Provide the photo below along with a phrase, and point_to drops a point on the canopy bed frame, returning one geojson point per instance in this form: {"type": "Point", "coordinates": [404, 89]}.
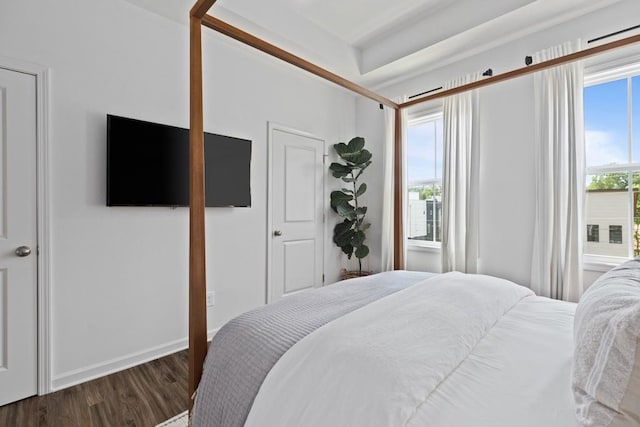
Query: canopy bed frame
{"type": "Point", "coordinates": [197, 259]}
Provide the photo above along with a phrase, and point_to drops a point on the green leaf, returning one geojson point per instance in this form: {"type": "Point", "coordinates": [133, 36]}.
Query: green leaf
{"type": "Point", "coordinates": [344, 238]}
{"type": "Point", "coordinates": [351, 158]}
{"type": "Point", "coordinates": [340, 148]}
{"type": "Point", "coordinates": [342, 241]}
{"type": "Point", "coordinates": [362, 158]}
{"type": "Point", "coordinates": [339, 198]}
{"type": "Point", "coordinates": [339, 195]}
{"type": "Point", "coordinates": [343, 202]}
{"type": "Point", "coordinates": [342, 227]}
{"type": "Point", "coordinates": [362, 251]}
{"type": "Point", "coordinates": [356, 144]}
{"type": "Point", "coordinates": [358, 239]}
{"type": "Point", "coordinates": [362, 210]}
{"type": "Point", "coordinates": [352, 153]}
{"type": "Point", "coordinates": [345, 210]}
{"type": "Point", "coordinates": [365, 226]}
{"type": "Point", "coordinates": [347, 249]}
{"type": "Point", "coordinates": [341, 205]}
{"type": "Point", "coordinates": [334, 166]}
{"type": "Point", "coordinates": [358, 159]}
{"type": "Point", "coordinates": [346, 190]}
{"type": "Point", "coordinates": [347, 179]}
{"type": "Point", "coordinates": [340, 170]}
{"type": "Point", "coordinates": [361, 189]}
{"type": "Point", "coordinates": [363, 166]}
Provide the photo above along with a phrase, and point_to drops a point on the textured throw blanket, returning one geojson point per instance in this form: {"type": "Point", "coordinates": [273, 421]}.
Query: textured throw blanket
{"type": "Point", "coordinates": [243, 352]}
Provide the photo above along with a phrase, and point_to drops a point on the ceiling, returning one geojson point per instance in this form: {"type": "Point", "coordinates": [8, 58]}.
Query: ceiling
{"type": "Point", "coordinates": [357, 22]}
{"type": "Point", "coordinates": [373, 42]}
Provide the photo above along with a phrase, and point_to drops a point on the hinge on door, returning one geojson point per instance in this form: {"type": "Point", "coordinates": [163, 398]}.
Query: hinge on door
{"type": "Point", "coordinates": [322, 277]}
{"type": "Point", "coordinates": [324, 159]}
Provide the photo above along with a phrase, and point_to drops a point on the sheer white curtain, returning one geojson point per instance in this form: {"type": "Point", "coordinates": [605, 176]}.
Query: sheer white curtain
{"type": "Point", "coordinates": [387, 196]}
{"type": "Point", "coordinates": [556, 269]}
{"type": "Point", "coordinates": [460, 179]}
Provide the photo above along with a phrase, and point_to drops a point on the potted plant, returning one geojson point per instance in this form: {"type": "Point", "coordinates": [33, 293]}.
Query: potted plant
{"type": "Point", "coordinates": [349, 234]}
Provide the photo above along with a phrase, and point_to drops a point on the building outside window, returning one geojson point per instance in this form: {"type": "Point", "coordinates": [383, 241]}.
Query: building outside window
{"type": "Point", "coordinates": [612, 150]}
{"type": "Point", "coordinates": [424, 180]}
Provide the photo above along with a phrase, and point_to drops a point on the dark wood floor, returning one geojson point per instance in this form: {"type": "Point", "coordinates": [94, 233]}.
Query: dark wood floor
{"type": "Point", "coordinates": [142, 396]}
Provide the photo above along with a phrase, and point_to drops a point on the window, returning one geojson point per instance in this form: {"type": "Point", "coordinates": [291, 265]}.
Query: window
{"type": "Point", "coordinates": [424, 180]}
{"type": "Point", "coordinates": [612, 150]}
{"type": "Point", "coordinates": [615, 234]}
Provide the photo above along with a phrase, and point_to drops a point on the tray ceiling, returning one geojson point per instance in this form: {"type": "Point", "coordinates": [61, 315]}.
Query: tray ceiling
{"type": "Point", "coordinates": [376, 41]}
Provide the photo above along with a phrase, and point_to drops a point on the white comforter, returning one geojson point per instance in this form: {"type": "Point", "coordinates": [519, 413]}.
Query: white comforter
{"type": "Point", "coordinates": [453, 350]}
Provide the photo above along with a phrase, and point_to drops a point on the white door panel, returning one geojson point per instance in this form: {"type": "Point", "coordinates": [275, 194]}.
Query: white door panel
{"type": "Point", "coordinates": [297, 208]}
{"type": "Point", "coordinates": [300, 190]}
{"type": "Point", "coordinates": [299, 265]}
{"type": "Point", "coordinates": [18, 274]}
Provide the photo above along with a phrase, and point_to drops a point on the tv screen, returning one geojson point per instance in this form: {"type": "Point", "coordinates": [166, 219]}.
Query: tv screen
{"type": "Point", "coordinates": [148, 165]}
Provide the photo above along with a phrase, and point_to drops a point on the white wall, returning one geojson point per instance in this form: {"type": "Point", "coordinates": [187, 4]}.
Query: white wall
{"type": "Point", "coordinates": [370, 125]}
{"type": "Point", "coordinates": [119, 275]}
{"type": "Point", "coordinates": [507, 125]}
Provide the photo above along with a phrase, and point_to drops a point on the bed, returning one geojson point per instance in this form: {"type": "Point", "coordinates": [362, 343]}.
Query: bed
{"type": "Point", "coordinates": [400, 348]}
{"type": "Point", "coordinates": [415, 349]}
{"type": "Point", "coordinates": [395, 349]}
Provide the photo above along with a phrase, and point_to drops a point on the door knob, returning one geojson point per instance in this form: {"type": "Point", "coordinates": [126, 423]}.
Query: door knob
{"type": "Point", "coordinates": [22, 251]}
{"type": "Point", "coordinates": [277, 233]}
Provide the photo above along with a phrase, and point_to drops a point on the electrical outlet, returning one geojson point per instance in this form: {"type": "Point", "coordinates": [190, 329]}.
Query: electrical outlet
{"type": "Point", "coordinates": [210, 298]}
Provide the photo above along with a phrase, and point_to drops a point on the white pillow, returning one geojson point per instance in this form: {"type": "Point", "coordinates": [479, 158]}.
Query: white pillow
{"type": "Point", "coordinates": [606, 371]}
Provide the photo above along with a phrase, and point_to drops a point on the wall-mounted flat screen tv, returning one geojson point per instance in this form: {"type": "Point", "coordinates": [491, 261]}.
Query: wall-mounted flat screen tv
{"type": "Point", "coordinates": [148, 165]}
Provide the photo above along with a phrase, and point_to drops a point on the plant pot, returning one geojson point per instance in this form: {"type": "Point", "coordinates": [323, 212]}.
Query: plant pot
{"type": "Point", "coordinates": [345, 274]}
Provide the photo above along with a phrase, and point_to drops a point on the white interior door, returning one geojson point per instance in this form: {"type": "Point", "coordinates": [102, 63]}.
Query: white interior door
{"type": "Point", "coordinates": [18, 246]}
{"type": "Point", "coordinates": [297, 211]}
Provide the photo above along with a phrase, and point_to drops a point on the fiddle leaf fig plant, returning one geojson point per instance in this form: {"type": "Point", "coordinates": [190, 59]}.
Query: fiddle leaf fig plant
{"type": "Point", "coordinates": [349, 234]}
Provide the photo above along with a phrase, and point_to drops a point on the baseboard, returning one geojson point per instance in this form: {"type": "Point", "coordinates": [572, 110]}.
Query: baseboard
{"type": "Point", "coordinates": [78, 376]}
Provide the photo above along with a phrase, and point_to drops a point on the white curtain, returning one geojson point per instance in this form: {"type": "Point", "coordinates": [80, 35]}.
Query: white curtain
{"type": "Point", "coordinates": [556, 269]}
{"type": "Point", "coordinates": [460, 179]}
{"type": "Point", "coordinates": [387, 197]}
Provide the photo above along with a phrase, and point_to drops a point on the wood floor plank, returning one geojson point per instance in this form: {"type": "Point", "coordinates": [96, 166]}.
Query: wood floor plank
{"type": "Point", "coordinates": [142, 396]}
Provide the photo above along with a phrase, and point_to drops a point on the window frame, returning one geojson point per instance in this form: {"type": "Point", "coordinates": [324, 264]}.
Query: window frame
{"type": "Point", "coordinates": [596, 228]}
{"type": "Point", "coordinates": [424, 115]}
{"type": "Point", "coordinates": [618, 229]}
{"type": "Point", "coordinates": [627, 68]}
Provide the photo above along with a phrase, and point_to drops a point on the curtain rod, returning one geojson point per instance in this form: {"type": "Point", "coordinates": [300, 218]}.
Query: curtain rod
{"type": "Point", "coordinates": [488, 73]}
{"type": "Point", "coordinates": [528, 60]}
{"type": "Point", "coordinates": [615, 33]}
{"type": "Point", "coordinates": [616, 44]}
{"type": "Point", "coordinates": [425, 92]}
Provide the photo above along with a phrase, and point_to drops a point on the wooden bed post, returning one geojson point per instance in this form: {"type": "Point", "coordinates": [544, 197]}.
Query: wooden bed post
{"type": "Point", "coordinates": [197, 259]}
{"type": "Point", "coordinates": [398, 195]}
